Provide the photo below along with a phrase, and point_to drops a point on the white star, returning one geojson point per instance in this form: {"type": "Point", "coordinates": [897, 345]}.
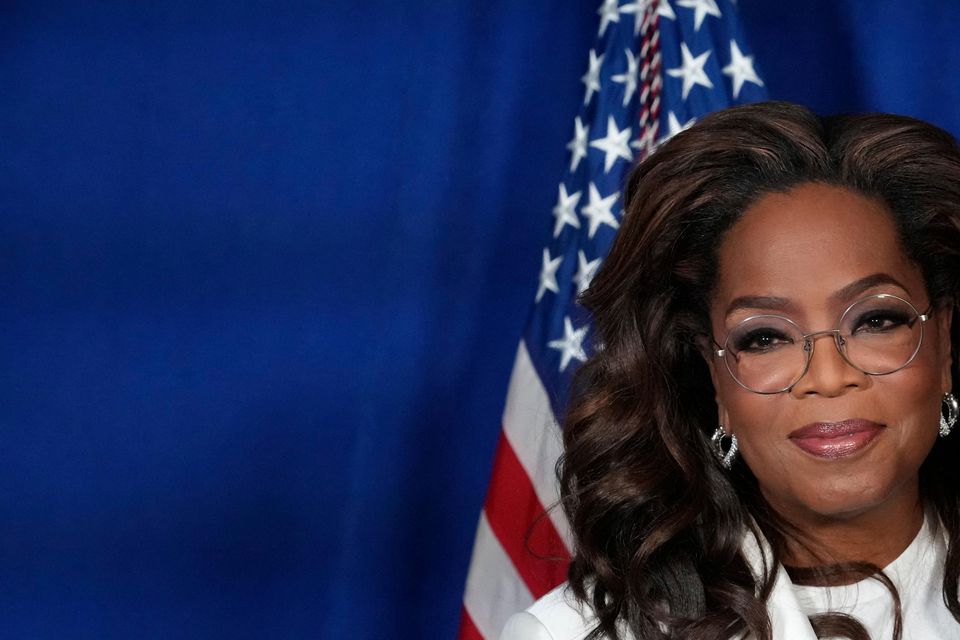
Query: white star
{"type": "Point", "coordinates": [691, 70]}
{"type": "Point", "coordinates": [592, 77]}
{"type": "Point", "coordinates": [647, 138]}
{"type": "Point", "coordinates": [701, 9]}
{"type": "Point", "coordinates": [571, 345]}
{"type": "Point", "coordinates": [565, 210]}
{"type": "Point", "coordinates": [674, 127]}
{"type": "Point", "coordinates": [666, 11]}
{"type": "Point", "coordinates": [585, 271]}
{"type": "Point", "coordinates": [598, 210]}
{"type": "Point", "coordinates": [578, 146]}
{"type": "Point", "coordinates": [548, 274]}
{"type": "Point", "coordinates": [629, 78]}
{"type": "Point", "coordinates": [615, 145]}
{"type": "Point", "coordinates": [637, 8]}
{"type": "Point", "coordinates": [608, 13]}
{"type": "Point", "coordinates": [740, 69]}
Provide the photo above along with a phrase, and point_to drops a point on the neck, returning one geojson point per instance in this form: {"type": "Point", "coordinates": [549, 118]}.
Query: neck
{"type": "Point", "coordinates": [877, 535]}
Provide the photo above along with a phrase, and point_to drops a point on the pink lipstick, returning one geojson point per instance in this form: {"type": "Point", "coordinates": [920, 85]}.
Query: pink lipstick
{"type": "Point", "coordinates": [834, 440]}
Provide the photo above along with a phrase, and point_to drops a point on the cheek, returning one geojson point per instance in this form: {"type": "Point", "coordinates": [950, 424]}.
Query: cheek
{"type": "Point", "coordinates": [910, 399]}
{"type": "Point", "coordinates": [760, 422]}
{"type": "Point", "coordinates": [744, 408]}
{"type": "Point", "coordinates": [915, 390]}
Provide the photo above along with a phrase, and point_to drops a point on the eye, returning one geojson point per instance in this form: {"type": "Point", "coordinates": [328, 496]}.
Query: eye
{"type": "Point", "coordinates": [881, 321]}
{"type": "Point", "coordinates": [760, 340]}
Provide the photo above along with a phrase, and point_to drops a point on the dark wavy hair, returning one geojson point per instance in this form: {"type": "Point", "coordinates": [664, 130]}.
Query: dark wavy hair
{"type": "Point", "coordinates": [657, 522]}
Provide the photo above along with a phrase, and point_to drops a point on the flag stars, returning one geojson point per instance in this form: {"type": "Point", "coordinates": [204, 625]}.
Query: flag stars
{"type": "Point", "coordinates": [701, 8]}
{"type": "Point", "coordinates": [647, 140]}
{"type": "Point", "coordinates": [578, 146]}
{"type": "Point", "coordinates": [629, 78]}
{"type": "Point", "coordinates": [548, 274]}
{"type": "Point", "coordinates": [608, 12]}
{"type": "Point", "coordinates": [565, 210]}
{"type": "Point", "coordinates": [571, 345]}
{"type": "Point", "coordinates": [636, 8]}
{"type": "Point", "coordinates": [691, 70]}
{"type": "Point", "coordinates": [674, 127]}
{"type": "Point", "coordinates": [591, 79]}
{"type": "Point", "coordinates": [598, 210]}
{"type": "Point", "coordinates": [585, 271]}
{"type": "Point", "coordinates": [615, 145]}
{"type": "Point", "coordinates": [664, 10]}
{"type": "Point", "coordinates": [740, 69]}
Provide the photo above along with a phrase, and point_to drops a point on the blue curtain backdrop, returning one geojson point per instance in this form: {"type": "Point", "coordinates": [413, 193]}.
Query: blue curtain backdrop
{"type": "Point", "coordinates": [263, 268]}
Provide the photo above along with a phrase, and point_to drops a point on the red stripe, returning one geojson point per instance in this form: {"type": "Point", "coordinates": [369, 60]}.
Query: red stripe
{"type": "Point", "coordinates": [520, 523]}
{"type": "Point", "coordinates": [468, 630]}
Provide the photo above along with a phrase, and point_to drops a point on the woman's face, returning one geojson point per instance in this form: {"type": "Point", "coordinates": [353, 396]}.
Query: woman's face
{"type": "Point", "coordinates": [840, 442]}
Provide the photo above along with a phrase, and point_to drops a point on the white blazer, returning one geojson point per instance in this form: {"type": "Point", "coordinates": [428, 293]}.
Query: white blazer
{"type": "Point", "coordinates": [559, 616]}
{"type": "Point", "coordinates": [918, 574]}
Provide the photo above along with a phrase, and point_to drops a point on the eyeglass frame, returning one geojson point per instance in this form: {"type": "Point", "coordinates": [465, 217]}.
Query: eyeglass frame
{"type": "Point", "coordinates": [809, 344]}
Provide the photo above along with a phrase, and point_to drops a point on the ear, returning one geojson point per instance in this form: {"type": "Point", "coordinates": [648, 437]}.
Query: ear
{"type": "Point", "coordinates": [945, 344]}
{"type": "Point", "coordinates": [717, 374]}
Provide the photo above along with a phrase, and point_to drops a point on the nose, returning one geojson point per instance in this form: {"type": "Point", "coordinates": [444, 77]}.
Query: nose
{"type": "Point", "coordinates": [828, 372]}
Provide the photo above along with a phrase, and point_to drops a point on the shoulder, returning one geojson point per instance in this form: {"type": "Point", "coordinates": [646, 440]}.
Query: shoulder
{"type": "Point", "coordinates": [556, 616]}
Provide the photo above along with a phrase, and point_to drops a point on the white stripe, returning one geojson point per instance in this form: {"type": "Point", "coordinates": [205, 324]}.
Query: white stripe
{"type": "Point", "coordinates": [494, 589]}
{"type": "Point", "coordinates": [532, 431]}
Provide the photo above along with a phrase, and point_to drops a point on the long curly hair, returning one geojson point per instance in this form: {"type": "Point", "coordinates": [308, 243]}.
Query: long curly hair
{"type": "Point", "coordinates": [657, 523]}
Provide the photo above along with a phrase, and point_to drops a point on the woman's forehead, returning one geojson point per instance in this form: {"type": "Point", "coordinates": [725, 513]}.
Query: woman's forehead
{"type": "Point", "coordinates": [809, 243]}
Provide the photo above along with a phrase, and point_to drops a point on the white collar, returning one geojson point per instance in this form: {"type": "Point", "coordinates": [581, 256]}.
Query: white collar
{"type": "Point", "coordinates": [787, 619]}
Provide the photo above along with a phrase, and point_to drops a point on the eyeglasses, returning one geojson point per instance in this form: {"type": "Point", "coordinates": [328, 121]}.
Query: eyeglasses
{"type": "Point", "coordinates": [877, 335]}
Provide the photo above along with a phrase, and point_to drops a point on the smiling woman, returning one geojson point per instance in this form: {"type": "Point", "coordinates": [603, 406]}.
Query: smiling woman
{"type": "Point", "coordinates": [762, 447]}
{"type": "Point", "coordinates": [836, 450]}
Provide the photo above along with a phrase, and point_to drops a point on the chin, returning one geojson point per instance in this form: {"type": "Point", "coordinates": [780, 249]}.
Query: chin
{"type": "Point", "coordinates": [848, 497]}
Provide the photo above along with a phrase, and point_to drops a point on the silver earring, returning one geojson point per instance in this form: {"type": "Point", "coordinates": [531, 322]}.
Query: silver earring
{"type": "Point", "coordinates": [727, 457]}
{"type": "Point", "coordinates": [953, 410]}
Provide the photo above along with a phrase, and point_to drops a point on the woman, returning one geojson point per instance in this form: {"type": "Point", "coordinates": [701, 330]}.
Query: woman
{"type": "Point", "coordinates": [761, 446]}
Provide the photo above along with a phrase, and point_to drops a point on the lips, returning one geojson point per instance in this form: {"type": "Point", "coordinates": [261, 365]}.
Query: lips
{"type": "Point", "coordinates": [832, 440]}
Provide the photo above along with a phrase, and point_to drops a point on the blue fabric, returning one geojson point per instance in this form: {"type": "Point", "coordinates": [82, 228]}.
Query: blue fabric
{"type": "Point", "coordinates": [263, 268]}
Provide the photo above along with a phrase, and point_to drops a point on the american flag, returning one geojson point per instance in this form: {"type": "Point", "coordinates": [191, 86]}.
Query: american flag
{"type": "Point", "coordinates": [656, 66]}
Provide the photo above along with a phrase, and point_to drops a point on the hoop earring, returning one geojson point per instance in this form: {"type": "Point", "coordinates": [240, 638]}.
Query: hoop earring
{"type": "Point", "coordinates": [953, 410]}
{"type": "Point", "coordinates": [727, 457]}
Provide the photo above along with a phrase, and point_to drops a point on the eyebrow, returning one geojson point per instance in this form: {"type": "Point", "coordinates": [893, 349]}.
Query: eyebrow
{"type": "Point", "coordinates": [777, 303]}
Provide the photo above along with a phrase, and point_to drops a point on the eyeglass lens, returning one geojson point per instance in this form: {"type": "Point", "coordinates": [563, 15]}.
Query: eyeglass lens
{"type": "Point", "coordinates": [877, 335]}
